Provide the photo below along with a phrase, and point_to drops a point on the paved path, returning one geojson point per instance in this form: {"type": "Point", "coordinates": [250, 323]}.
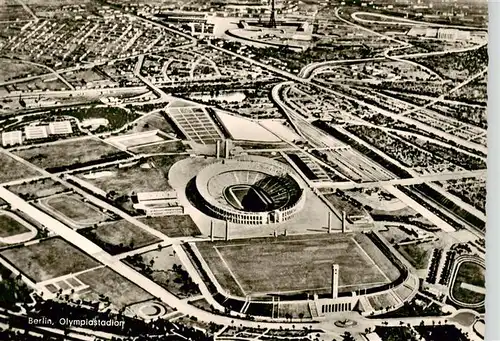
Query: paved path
{"type": "Point", "coordinates": [412, 181]}
{"type": "Point", "coordinates": [402, 21]}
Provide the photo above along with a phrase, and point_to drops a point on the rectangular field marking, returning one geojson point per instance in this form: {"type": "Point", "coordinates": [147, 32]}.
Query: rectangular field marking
{"type": "Point", "coordinates": [263, 198]}
{"type": "Point", "coordinates": [236, 199]}
{"type": "Point", "coordinates": [230, 271]}
{"type": "Point", "coordinates": [474, 288]}
{"type": "Point", "coordinates": [318, 288]}
{"type": "Point", "coordinates": [371, 260]}
{"type": "Point", "coordinates": [280, 242]}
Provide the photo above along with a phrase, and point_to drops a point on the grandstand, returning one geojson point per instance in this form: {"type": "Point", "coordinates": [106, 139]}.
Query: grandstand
{"type": "Point", "coordinates": [196, 124]}
{"type": "Point", "coordinates": [249, 190]}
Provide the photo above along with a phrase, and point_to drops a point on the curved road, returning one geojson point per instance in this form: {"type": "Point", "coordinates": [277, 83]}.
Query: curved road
{"type": "Point", "coordinates": [403, 21]}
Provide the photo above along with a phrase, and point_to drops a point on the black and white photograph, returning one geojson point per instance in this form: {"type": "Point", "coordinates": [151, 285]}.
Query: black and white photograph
{"type": "Point", "coordinates": [244, 170]}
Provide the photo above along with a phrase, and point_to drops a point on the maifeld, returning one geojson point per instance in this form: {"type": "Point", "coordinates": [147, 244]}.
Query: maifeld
{"type": "Point", "coordinates": [64, 321]}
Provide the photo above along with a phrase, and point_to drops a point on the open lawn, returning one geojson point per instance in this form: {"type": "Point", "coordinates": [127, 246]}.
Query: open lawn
{"type": "Point", "coordinates": [297, 264]}
{"type": "Point", "coordinates": [173, 225]}
{"type": "Point", "coordinates": [11, 169]}
{"type": "Point", "coordinates": [73, 153]}
{"type": "Point", "coordinates": [295, 310]}
{"type": "Point", "coordinates": [120, 291]}
{"type": "Point", "coordinates": [149, 176]}
{"type": "Point", "coordinates": [123, 181]}
{"type": "Point", "coordinates": [164, 147]}
{"type": "Point", "coordinates": [73, 208]}
{"type": "Point", "coordinates": [201, 304]}
{"type": "Point", "coordinates": [10, 226]}
{"type": "Point", "coordinates": [119, 236]}
{"type": "Point", "coordinates": [37, 189]}
{"type": "Point", "coordinates": [345, 205]}
{"type": "Point", "coordinates": [164, 268]}
{"type": "Point", "coordinates": [154, 121]}
{"type": "Point", "coordinates": [469, 275]}
{"type": "Point", "coordinates": [11, 69]}
{"type": "Point", "coordinates": [417, 254]}
{"type": "Point", "coordinates": [117, 117]}
{"type": "Point", "coordinates": [48, 259]}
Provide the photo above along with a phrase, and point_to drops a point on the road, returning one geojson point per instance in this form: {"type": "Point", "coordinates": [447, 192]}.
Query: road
{"type": "Point", "coordinates": [397, 117]}
{"type": "Point", "coordinates": [403, 21]}
{"type": "Point", "coordinates": [154, 289]}
{"type": "Point", "coordinates": [162, 96]}
{"type": "Point", "coordinates": [309, 70]}
{"type": "Point", "coordinates": [302, 126]}
{"type": "Point", "coordinates": [51, 70]}
{"type": "Point", "coordinates": [27, 9]}
{"type": "Point", "coordinates": [74, 93]}
{"type": "Point", "coordinates": [404, 182]}
{"type": "Point", "coordinates": [408, 120]}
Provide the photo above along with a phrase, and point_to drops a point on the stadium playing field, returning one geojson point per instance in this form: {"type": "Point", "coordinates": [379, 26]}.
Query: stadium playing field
{"type": "Point", "coordinates": [248, 198]}
{"type": "Point", "coordinates": [297, 264]}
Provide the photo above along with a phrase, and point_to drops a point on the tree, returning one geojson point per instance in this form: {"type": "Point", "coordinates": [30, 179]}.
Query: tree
{"type": "Point", "coordinates": [301, 316]}
{"type": "Point", "coordinates": [348, 337]}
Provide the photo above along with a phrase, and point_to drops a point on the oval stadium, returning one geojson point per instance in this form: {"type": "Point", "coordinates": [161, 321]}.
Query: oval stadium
{"type": "Point", "coordinates": [251, 190]}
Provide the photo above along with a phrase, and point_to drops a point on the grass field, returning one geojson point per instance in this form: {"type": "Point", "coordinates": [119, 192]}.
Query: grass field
{"type": "Point", "coordinates": [164, 147]}
{"type": "Point", "coordinates": [10, 69]}
{"type": "Point", "coordinates": [164, 268]}
{"type": "Point", "coordinates": [117, 117]}
{"type": "Point", "coordinates": [11, 169]}
{"type": "Point", "coordinates": [344, 205]}
{"type": "Point", "coordinates": [417, 254]}
{"type": "Point", "coordinates": [120, 291]}
{"type": "Point", "coordinates": [297, 264]}
{"type": "Point", "coordinates": [154, 121]}
{"type": "Point", "coordinates": [10, 226]}
{"type": "Point", "coordinates": [72, 207]}
{"type": "Point", "coordinates": [119, 236]}
{"type": "Point", "coordinates": [37, 189]}
{"type": "Point", "coordinates": [201, 304]}
{"type": "Point", "coordinates": [136, 179]}
{"type": "Point", "coordinates": [48, 259]}
{"type": "Point", "coordinates": [173, 225]}
{"type": "Point", "coordinates": [67, 153]}
{"type": "Point", "coordinates": [470, 273]}
{"type": "Point", "coordinates": [146, 177]}
{"type": "Point", "coordinates": [295, 310]}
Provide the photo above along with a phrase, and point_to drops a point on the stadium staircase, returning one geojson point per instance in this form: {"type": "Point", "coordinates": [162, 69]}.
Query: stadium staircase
{"type": "Point", "coordinates": [245, 306]}
{"type": "Point", "coordinates": [395, 296]}
{"type": "Point", "coordinates": [313, 309]}
{"type": "Point", "coordinates": [365, 306]}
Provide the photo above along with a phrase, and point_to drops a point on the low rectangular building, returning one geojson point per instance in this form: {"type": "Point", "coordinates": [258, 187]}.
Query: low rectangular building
{"type": "Point", "coordinates": [60, 128]}
{"type": "Point", "coordinates": [160, 195]}
{"type": "Point", "coordinates": [12, 138]}
{"type": "Point", "coordinates": [153, 209]}
{"type": "Point", "coordinates": [36, 132]}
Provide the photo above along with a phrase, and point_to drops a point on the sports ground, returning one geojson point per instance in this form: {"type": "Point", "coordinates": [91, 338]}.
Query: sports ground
{"type": "Point", "coordinates": [9, 226]}
{"type": "Point", "coordinates": [468, 286]}
{"type": "Point", "coordinates": [48, 259]}
{"type": "Point", "coordinates": [297, 264]}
